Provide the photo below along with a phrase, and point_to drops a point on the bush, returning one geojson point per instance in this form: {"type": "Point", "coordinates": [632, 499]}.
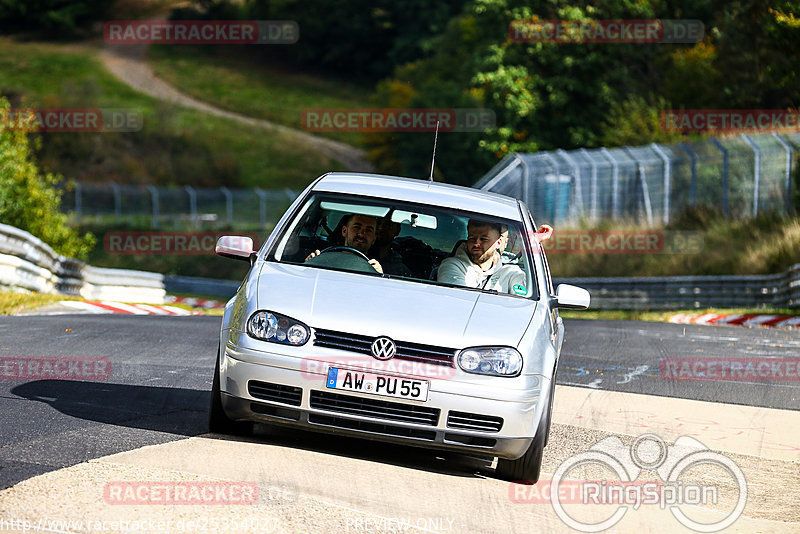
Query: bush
{"type": "Point", "coordinates": [29, 198]}
{"type": "Point", "coordinates": [52, 18]}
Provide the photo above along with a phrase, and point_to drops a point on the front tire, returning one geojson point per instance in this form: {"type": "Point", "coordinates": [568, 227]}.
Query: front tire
{"type": "Point", "coordinates": [218, 421]}
{"type": "Point", "coordinates": [526, 468]}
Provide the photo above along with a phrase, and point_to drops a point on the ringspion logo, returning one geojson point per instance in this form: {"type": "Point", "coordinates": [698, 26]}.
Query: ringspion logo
{"type": "Point", "coordinates": [678, 488]}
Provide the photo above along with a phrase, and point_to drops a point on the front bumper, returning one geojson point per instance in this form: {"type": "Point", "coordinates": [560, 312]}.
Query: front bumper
{"type": "Point", "coordinates": [296, 395]}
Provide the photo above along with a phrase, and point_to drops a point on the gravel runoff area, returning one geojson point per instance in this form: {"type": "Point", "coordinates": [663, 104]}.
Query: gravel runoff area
{"type": "Point", "coordinates": [81, 493]}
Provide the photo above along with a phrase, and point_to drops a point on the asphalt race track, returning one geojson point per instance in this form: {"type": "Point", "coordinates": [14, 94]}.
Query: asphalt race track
{"type": "Point", "coordinates": [151, 411]}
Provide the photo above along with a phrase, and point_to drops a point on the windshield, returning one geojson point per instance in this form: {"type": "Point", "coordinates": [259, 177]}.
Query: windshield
{"type": "Point", "coordinates": [419, 243]}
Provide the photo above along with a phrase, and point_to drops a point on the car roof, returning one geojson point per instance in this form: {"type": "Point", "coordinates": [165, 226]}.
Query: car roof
{"type": "Point", "coordinates": [420, 191]}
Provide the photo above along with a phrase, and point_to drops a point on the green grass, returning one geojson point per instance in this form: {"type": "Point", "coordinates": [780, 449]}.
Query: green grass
{"type": "Point", "coordinates": [231, 78]}
{"type": "Point", "coordinates": [175, 146]}
{"type": "Point", "coordinates": [12, 302]}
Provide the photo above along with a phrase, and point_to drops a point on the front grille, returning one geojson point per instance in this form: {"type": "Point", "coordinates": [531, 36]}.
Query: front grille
{"type": "Point", "coordinates": [394, 411]}
{"type": "Point", "coordinates": [474, 421]}
{"type": "Point", "coordinates": [275, 392]}
{"type": "Point", "coordinates": [416, 352]}
{"type": "Point", "coordinates": [367, 426]}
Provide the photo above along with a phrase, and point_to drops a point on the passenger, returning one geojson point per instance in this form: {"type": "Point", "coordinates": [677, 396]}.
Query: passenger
{"type": "Point", "coordinates": [358, 233]}
{"type": "Point", "coordinates": [479, 262]}
{"type": "Point", "coordinates": [382, 250]}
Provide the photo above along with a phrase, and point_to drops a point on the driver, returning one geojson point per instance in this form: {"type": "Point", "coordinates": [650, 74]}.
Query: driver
{"type": "Point", "coordinates": [358, 233]}
{"type": "Point", "coordinates": [480, 262]}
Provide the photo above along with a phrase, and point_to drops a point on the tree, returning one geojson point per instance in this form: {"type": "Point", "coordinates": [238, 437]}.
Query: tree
{"type": "Point", "coordinates": [29, 198]}
{"type": "Point", "coordinates": [53, 18]}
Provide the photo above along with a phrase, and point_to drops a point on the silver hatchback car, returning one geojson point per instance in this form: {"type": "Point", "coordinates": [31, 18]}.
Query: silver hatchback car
{"type": "Point", "coordinates": [401, 310]}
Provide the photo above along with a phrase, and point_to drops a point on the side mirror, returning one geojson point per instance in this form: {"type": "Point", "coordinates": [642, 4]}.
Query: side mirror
{"type": "Point", "coordinates": [236, 246]}
{"type": "Point", "coordinates": [571, 297]}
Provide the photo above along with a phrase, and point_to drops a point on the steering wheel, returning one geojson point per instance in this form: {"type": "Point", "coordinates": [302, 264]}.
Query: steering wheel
{"type": "Point", "coordinates": [346, 249]}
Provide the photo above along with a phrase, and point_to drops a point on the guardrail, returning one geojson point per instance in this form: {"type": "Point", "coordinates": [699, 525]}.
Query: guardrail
{"type": "Point", "coordinates": [693, 292]}
{"type": "Point", "coordinates": [26, 262]}
{"type": "Point", "coordinates": [201, 286]}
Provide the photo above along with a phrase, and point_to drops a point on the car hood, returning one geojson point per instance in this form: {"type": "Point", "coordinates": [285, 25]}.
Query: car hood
{"type": "Point", "coordinates": [402, 310]}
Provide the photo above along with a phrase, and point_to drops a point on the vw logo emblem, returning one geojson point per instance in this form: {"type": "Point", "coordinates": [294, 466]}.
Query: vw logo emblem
{"type": "Point", "coordinates": [383, 348]}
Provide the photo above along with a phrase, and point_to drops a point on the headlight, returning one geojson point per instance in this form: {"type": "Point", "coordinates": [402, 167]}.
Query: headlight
{"type": "Point", "coordinates": [269, 326]}
{"type": "Point", "coordinates": [498, 361]}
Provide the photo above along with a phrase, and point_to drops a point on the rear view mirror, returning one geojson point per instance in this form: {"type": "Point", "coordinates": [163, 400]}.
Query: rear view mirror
{"type": "Point", "coordinates": [235, 246]}
{"type": "Point", "coordinates": [571, 297]}
{"type": "Point", "coordinates": [414, 219]}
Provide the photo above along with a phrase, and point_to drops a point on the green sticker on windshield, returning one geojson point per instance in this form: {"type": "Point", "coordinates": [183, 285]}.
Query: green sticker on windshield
{"type": "Point", "coordinates": [519, 289]}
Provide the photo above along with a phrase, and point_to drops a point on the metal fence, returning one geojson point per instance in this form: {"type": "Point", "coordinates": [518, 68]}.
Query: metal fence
{"type": "Point", "coordinates": [176, 206]}
{"type": "Point", "coordinates": [742, 175]}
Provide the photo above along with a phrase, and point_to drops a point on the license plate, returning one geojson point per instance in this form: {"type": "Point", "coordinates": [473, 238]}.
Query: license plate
{"type": "Point", "coordinates": [387, 386]}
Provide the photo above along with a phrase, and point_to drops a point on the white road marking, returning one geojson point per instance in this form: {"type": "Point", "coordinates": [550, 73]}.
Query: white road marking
{"type": "Point", "coordinates": [633, 374]}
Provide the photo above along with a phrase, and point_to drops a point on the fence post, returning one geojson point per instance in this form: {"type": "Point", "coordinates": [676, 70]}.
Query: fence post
{"type": "Point", "coordinates": [526, 177]}
{"type": "Point", "coordinates": [558, 186]}
{"type": "Point", "coordinates": [788, 186]}
{"type": "Point", "coordinates": [667, 178]}
{"type": "Point", "coordinates": [614, 182]}
{"type": "Point", "coordinates": [192, 204]}
{"type": "Point", "coordinates": [228, 204]}
{"type": "Point", "coordinates": [756, 171]}
{"type": "Point", "coordinates": [117, 200]}
{"type": "Point", "coordinates": [593, 164]}
{"type": "Point", "coordinates": [262, 205]}
{"type": "Point", "coordinates": [724, 174]}
{"type": "Point", "coordinates": [693, 158]}
{"type": "Point", "coordinates": [154, 196]}
{"type": "Point", "coordinates": [577, 192]}
{"type": "Point", "coordinates": [648, 208]}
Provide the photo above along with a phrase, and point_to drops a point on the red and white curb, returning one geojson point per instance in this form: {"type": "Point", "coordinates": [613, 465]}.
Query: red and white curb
{"type": "Point", "coordinates": [195, 303]}
{"type": "Point", "coordinates": [120, 307]}
{"type": "Point", "coordinates": [775, 321]}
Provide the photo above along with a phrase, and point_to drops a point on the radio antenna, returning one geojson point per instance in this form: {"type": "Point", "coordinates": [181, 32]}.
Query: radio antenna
{"type": "Point", "coordinates": [433, 159]}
